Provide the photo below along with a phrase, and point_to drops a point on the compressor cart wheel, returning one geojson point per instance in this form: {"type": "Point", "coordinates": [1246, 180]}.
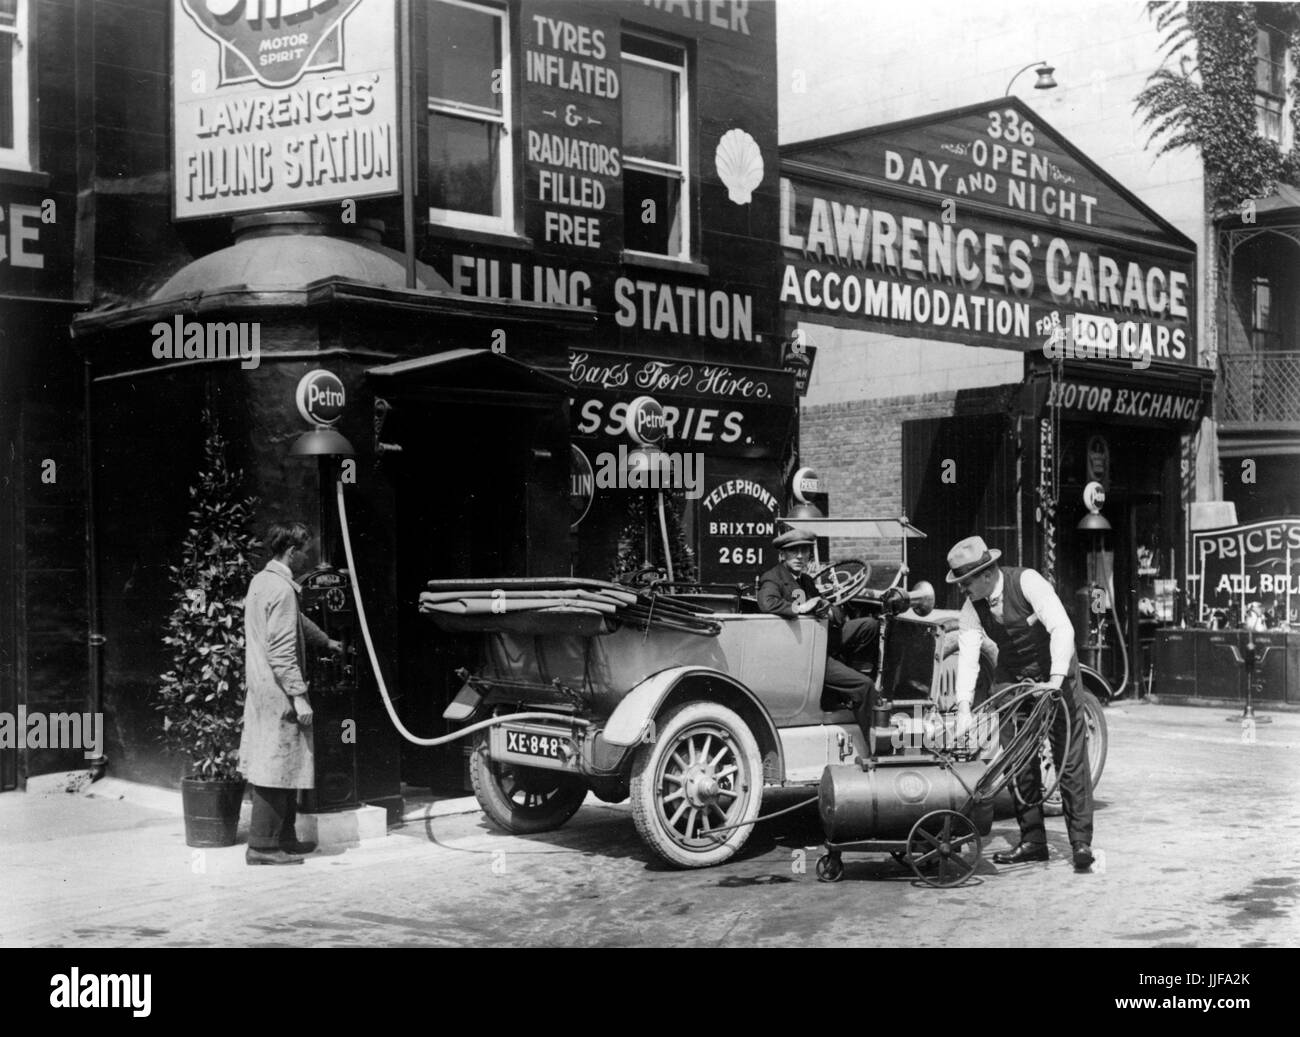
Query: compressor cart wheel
{"type": "Point", "coordinates": [944, 848]}
{"type": "Point", "coordinates": [830, 867]}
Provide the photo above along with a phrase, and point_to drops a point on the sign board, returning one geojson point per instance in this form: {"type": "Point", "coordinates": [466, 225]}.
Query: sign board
{"type": "Point", "coordinates": [279, 104]}
{"type": "Point", "coordinates": [715, 408]}
{"type": "Point", "coordinates": [978, 226]}
{"type": "Point", "coordinates": [36, 242]}
{"type": "Point", "coordinates": [737, 521]}
{"type": "Point", "coordinates": [320, 397]}
{"type": "Point", "coordinates": [582, 490]}
{"type": "Point", "coordinates": [1258, 561]}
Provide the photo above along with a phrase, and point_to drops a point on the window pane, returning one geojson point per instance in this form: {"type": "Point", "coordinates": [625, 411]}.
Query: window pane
{"type": "Point", "coordinates": [8, 12]}
{"type": "Point", "coordinates": [649, 113]}
{"type": "Point", "coordinates": [654, 227]}
{"type": "Point", "coordinates": [1268, 118]}
{"type": "Point", "coordinates": [464, 53]}
{"type": "Point", "coordinates": [464, 171]}
{"type": "Point", "coordinates": [1262, 304]}
{"type": "Point", "coordinates": [6, 90]}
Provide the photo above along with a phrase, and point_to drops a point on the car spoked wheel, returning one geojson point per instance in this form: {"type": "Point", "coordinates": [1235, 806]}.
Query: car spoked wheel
{"type": "Point", "coordinates": [703, 772]}
{"type": "Point", "coordinates": [523, 800]}
{"type": "Point", "coordinates": [1094, 720]}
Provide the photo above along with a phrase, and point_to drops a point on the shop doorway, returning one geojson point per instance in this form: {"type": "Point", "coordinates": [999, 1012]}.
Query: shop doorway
{"type": "Point", "coordinates": [478, 479]}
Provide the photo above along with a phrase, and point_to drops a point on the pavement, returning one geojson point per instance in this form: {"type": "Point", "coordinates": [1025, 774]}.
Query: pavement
{"type": "Point", "coordinates": [1197, 832]}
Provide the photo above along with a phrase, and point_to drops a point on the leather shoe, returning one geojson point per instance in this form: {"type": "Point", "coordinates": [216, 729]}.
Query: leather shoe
{"type": "Point", "coordinates": [270, 857]}
{"type": "Point", "coordinates": [1082, 857]}
{"type": "Point", "coordinates": [1022, 853]}
{"type": "Point", "coordinates": [293, 846]}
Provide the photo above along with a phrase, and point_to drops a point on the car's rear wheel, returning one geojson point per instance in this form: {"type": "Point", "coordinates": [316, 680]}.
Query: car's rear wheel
{"type": "Point", "coordinates": [523, 800]}
{"type": "Point", "coordinates": [702, 772]}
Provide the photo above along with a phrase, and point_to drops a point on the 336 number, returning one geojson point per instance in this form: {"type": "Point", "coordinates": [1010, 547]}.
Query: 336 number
{"type": "Point", "coordinates": [1014, 131]}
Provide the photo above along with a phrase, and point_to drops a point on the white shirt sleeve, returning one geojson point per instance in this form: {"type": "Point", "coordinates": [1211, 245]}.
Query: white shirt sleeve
{"type": "Point", "coordinates": [970, 634]}
{"type": "Point", "coordinates": [1056, 621]}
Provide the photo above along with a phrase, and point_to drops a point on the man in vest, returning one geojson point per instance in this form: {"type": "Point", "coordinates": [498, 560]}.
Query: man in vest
{"type": "Point", "coordinates": [787, 590]}
{"type": "Point", "coordinates": [1020, 611]}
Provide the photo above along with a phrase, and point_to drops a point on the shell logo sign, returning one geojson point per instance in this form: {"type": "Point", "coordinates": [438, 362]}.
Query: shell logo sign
{"type": "Point", "coordinates": [739, 164]}
{"type": "Point", "coordinates": [273, 41]}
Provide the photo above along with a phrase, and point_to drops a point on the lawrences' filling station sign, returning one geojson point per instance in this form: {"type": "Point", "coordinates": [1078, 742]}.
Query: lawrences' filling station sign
{"type": "Point", "coordinates": [279, 103]}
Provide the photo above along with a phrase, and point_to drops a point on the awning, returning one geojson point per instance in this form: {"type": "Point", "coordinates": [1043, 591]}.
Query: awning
{"type": "Point", "coordinates": [461, 369]}
{"type": "Point", "coordinates": [864, 528]}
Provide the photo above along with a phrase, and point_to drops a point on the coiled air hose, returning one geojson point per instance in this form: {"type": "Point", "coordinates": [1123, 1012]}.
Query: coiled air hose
{"type": "Point", "coordinates": [379, 674]}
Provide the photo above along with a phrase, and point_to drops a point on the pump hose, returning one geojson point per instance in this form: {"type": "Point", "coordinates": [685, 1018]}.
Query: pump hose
{"type": "Point", "coordinates": [1027, 741]}
{"type": "Point", "coordinates": [379, 675]}
{"type": "Point", "coordinates": [1123, 647]}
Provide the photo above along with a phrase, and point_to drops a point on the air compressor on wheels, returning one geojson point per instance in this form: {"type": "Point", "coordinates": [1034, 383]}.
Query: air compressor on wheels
{"type": "Point", "coordinates": [930, 809]}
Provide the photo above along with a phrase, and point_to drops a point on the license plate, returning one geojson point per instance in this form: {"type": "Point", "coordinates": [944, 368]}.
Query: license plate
{"type": "Point", "coordinates": [531, 743]}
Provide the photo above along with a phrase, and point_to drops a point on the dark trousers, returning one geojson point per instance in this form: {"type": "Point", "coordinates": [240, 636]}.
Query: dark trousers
{"type": "Point", "coordinates": [856, 643]}
{"type": "Point", "coordinates": [274, 813]}
{"type": "Point", "coordinates": [1076, 780]}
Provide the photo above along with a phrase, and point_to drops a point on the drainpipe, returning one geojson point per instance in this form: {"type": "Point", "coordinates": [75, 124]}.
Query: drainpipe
{"type": "Point", "coordinates": [406, 112]}
{"type": "Point", "coordinates": [95, 640]}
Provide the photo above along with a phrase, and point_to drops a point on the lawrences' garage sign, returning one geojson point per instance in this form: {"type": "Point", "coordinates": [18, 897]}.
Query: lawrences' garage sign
{"type": "Point", "coordinates": [980, 226]}
{"type": "Point", "coordinates": [279, 103]}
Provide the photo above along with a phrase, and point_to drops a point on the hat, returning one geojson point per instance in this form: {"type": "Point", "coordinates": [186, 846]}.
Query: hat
{"type": "Point", "coordinates": [970, 556]}
{"type": "Point", "coordinates": [792, 538]}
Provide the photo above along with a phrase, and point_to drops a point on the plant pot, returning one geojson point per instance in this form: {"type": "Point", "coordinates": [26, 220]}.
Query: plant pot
{"type": "Point", "coordinates": [211, 811]}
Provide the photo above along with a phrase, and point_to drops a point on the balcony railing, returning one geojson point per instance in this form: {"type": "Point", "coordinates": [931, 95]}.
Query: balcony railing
{"type": "Point", "coordinates": [1259, 387]}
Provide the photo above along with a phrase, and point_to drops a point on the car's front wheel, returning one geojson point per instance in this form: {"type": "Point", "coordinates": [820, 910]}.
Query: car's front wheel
{"type": "Point", "coordinates": [523, 800]}
{"type": "Point", "coordinates": [702, 772]}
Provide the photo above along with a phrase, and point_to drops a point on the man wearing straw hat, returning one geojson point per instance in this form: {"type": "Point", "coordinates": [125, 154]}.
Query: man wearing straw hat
{"type": "Point", "coordinates": [787, 590]}
{"type": "Point", "coordinates": [1021, 612]}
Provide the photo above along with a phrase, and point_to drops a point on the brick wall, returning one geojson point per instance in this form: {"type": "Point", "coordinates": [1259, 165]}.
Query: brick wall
{"type": "Point", "coordinates": [857, 447]}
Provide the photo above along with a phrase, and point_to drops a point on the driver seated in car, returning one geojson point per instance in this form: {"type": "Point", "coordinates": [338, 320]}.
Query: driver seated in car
{"type": "Point", "coordinates": [787, 590]}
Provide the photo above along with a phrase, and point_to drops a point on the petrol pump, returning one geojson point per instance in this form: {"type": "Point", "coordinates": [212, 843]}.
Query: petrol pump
{"type": "Point", "coordinates": [1095, 602]}
{"type": "Point", "coordinates": [355, 751]}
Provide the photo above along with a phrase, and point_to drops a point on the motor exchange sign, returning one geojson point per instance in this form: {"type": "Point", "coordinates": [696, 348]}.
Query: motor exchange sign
{"type": "Point", "coordinates": [977, 226]}
{"type": "Point", "coordinates": [281, 103]}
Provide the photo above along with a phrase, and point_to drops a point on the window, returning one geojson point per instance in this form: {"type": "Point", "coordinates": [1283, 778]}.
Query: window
{"type": "Point", "coordinates": [1270, 81]}
{"type": "Point", "coordinates": [471, 168]}
{"type": "Point", "coordinates": [656, 185]}
{"type": "Point", "coordinates": [15, 102]}
{"type": "Point", "coordinates": [1265, 328]}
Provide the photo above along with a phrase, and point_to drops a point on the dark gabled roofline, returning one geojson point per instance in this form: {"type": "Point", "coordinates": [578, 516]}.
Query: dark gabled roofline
{"type": "Point", "coordinates": [793, 150]}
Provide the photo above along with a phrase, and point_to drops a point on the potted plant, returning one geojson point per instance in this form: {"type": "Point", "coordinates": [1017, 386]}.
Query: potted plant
{"type": "Point", "coordinates": [201, 698]}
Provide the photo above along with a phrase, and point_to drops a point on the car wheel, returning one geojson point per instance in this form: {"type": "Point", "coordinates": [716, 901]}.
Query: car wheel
{"type": "Point", "coordinates": [1094, 719]}
{"type": "Point", "coordinates": [523, 800]}
{"type": "Point", "coordinates": [702, 772]}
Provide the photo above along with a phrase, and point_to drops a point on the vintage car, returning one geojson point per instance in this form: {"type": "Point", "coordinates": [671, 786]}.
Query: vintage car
{"type": "Point", "coordinates": [685, 699]}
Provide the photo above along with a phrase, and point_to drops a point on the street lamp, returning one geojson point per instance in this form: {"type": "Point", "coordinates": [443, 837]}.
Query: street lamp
{"type": "Point", "coordinates": [1044, 71]}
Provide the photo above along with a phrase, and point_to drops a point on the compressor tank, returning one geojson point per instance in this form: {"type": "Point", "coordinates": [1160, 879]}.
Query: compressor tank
{"type": "Point", "coordinates": [884, 798]}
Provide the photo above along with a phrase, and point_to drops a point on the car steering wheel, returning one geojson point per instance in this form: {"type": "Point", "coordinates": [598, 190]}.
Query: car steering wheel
{"type": "Point", "coordinates": [840, 581]}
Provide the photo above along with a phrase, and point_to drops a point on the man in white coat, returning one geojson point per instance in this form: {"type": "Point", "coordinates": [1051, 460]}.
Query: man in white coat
{"type": "Point", "coordinates": [275, 749]}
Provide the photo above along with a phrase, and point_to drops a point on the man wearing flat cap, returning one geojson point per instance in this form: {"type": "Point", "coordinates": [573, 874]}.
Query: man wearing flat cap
{"type": "Point", "coordinates": [787, 590]}
{"type": "Point", "coordinates": [1021, 612]}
